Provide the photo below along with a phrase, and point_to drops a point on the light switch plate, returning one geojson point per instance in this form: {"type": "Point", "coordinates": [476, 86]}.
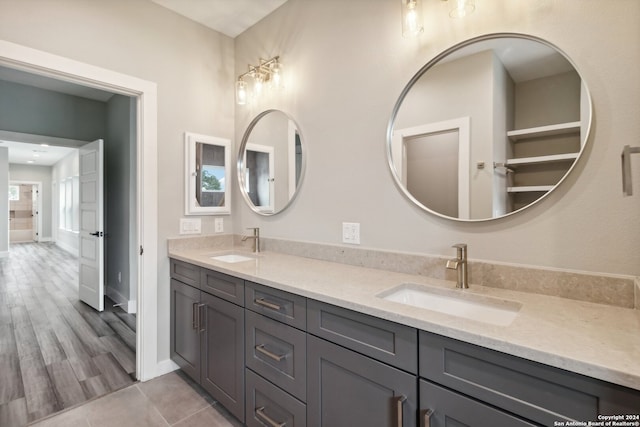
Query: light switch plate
{"type": "Point", "coordinates": [351, 233]}
{"type": "Point", "coordinates": [190, 226]}
{"type": "Point", "coordinates": [218, 224]}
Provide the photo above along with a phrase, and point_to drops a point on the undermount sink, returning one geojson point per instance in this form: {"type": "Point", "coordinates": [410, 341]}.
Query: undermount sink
{"type": "Point", "coordinates": [233, 257]}
{"type": "Point", "coordinates": [455, 302]}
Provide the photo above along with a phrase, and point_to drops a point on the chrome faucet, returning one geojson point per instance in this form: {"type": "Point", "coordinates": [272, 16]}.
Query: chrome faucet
{"type": "Point", "coordinates": [460, 265]}
{"type": "Point", "coordinates": [255, 237]}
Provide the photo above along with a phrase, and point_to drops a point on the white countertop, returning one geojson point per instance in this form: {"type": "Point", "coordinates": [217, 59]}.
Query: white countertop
{"type": "Point", "coordinates": [595, 340]}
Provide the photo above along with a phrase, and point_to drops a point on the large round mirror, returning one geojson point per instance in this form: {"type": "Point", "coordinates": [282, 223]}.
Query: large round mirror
{"type": "Point", "coordinates": [488, 127]}
{"type": "Point", "coordinates": [271, 162]}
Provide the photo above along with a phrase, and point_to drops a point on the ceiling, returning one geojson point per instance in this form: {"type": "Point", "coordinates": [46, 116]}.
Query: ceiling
{"type": "Point", "coordinates": [34, 154]}
{"type": "Point", "coordinates": [229, 17]}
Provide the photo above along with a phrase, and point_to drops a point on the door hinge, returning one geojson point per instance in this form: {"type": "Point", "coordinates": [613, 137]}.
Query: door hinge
{"type": "Point", "coordinates": [141, 250]}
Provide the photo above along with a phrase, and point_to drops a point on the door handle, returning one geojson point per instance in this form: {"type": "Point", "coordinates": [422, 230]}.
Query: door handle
{"type": "Point", "coordinates": [97, 234]}
{"type": "Point", "coordinates": [194, 316]}
{"type": "Point", "coordinates": [399, 408]}
{"type": "Point", "coordinates": [427, 417]}
{"type": "Point", "coordinates": [201, 314]}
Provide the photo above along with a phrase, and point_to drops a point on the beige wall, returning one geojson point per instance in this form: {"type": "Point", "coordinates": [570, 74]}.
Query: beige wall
{"type": "Point", "coordinates": [349, 63]}
{"type": "Point", "coordinates": [192, 65]}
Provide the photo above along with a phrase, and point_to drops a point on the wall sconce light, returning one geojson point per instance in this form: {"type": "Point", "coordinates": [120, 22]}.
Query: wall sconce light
{"type": "Point", "coordinates": [268, 72]}
{"type": "Point", "coordinates": [461, 8]}
{"type": "Point", "coordinates": [412, 22]}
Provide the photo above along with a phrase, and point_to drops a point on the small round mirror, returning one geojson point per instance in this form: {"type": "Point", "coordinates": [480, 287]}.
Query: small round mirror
{"type": "Point", "coordinates": [488, 127]}
{"type": "Point", "coordinates": [271, 162]}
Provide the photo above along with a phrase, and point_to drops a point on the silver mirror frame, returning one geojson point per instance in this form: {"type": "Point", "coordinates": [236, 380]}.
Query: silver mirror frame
{"type": "Point", "coordinates": [240, 163]}
{"type": "Point", "coordinates": [433, 62]}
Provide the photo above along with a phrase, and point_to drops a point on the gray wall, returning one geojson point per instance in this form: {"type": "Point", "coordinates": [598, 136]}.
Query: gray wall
{"type": "Point", "coordinates": [346, 71]}
{"type": "Point", "coordinates": [38, 174]}
{"type": "Point", "coordinates": [4, 201]}
{"type": "Point", "coordinates": [42, 112]}
{"type": "Point", "coordinates": [119, 183]}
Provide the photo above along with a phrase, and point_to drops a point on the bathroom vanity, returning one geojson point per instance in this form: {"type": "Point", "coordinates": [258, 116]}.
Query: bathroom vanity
{"type": "Point", "coordinates": [283, 340]}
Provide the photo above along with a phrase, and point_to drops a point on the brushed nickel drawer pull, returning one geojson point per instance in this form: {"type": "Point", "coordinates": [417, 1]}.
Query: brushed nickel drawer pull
{"type": "Point", "coordinates": [201, 314]}
{"type": "Point", "coordinates": [194, 316]}
{"type": "Point", "coordinates": [260, 348]}
{"type": "Point", "coordinates": [273, 423]}
{"type": "Point", "coordinates": [427, 417]}
{"type": "Point", "coordinates": [399, 406]}
{"type": "Point", "coordinates": [262, 302]}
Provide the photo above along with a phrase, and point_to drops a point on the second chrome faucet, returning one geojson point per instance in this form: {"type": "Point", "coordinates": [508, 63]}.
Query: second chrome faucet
{"type": "Point", "coordinates": [460, 265]}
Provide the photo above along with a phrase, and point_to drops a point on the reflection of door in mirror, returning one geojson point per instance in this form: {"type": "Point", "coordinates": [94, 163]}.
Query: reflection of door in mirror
{"type": "Point", "coordinates": [432, 161]}
{"type": "Point", "coordinates": [210, 177]}
{"type": "Point", "coordinates": [259, 164]}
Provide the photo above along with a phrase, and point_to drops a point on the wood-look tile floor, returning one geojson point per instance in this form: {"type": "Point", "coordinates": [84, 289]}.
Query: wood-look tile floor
{"type": "Point", "coordinates": [55, 351]}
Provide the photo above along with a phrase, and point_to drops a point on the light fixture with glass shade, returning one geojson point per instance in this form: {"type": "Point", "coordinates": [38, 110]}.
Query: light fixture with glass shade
{"type": "Point", "coordinates": [412, 23]}
{"type": "Point", "coordinates": [461, 8]}
{"type": "Point", "coordinates": [268, 73]}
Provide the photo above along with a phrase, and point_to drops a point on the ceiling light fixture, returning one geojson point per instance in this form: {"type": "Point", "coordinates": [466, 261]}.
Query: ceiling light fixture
{"type": "Point", "coordinates": [411, 18]}
{"type": "Point", "coordinates": [268, 72]}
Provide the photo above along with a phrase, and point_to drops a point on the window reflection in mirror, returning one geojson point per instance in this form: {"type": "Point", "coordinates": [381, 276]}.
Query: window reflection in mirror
{"type": "Point", "coordinates": [271, 162]}
{"type": "Point", "coordinates": [207, 171]}
{"type": "Point", "coordinates": [528, 114]}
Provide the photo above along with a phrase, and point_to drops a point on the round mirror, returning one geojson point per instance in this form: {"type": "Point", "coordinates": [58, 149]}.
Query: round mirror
{"type": "Point", "coordinates": [271, 162]}
{"type": "Point", "coordinates": [488, 127]}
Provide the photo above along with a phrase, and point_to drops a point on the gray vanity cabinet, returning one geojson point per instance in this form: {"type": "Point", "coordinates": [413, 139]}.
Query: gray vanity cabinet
{"type": "Point", "coordinates": [222, 353]}
{"type": "Point", "coordinates": [530, 390]}
{"type": "Point", "coordinates": [185, 334]}
{"type": "Point", "coordinates": [347, 389]}
{"type": "Point", "coordinates": [207, 332]}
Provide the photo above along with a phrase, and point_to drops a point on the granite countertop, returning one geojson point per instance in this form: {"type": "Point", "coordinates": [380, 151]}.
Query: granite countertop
{"type": "Point", "coordinates": [595, 340]}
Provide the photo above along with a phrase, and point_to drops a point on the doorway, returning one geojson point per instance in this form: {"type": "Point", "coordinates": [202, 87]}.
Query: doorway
{"type": "Point", "coordinates": [24, 209]}
{"type": "Point", "coordinates": [145, 205]}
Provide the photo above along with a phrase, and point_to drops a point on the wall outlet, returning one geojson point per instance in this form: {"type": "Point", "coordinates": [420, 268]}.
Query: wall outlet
{"type": "Point", "coordinates": [218, 224]}
{"type": "Point", "coordinates": [119, 276]}
{"type": "Point", "coordinates": [190, 226]}
{"type": "Point", "coordinates": [351, 233]}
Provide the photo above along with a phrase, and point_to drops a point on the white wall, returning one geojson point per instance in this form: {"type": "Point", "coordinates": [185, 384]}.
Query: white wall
{"type": "Point", "coordinates": [4, 201]}
{"type": "Point", "coordinates": [38, 174]}
{"type": "Point", "coordinates": [192, 65]}
{"type": "Point", "coordinates": [68, 167]}
{"type": "Point", "coordinates": [349, 63]}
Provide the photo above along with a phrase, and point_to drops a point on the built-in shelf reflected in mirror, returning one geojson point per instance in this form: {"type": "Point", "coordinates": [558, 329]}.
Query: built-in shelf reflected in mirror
{"type": "Point", "coordinates": [488, 127]}
{"type": "Point", "coordinates": [271, 162]}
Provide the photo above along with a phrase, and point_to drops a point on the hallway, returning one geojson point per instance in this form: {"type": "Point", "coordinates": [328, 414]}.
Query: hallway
{"type": "Point", "coordinates": [55, 351]}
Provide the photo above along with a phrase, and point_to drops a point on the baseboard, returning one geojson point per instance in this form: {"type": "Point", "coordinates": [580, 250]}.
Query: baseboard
{"type": "Point", "coordinates": [164, 367]}
{"type": "Point", "coordinates": [128, 305]}
{"type": "Point", "coordinates": [45, 239]}
{"type": "Point", "coordinates": [73, 251]}
{"type": "Point", "coordinates": [4, 254]}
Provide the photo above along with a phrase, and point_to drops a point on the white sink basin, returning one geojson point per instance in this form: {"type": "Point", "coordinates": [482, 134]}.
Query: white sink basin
{"type": "Point", "coordinates": [455, 302]}
{"type": "Point", "coordinates": [233, 258]}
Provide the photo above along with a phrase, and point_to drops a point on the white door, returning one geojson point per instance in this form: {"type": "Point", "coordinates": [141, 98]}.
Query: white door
{"type": "Point", "coordinates": [91, 268]}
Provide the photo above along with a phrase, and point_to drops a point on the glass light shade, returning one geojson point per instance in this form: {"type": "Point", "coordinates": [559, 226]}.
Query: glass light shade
{"type": "Point", "coordinates": [241, 92]}
{"type": "Point", "coordinates": [412, 22]}
{"type": "Point", "coordinates": [258, 81]}
{"type": "Point", "coordinates": [276, 76]}
{"type": "Point", "coordinates": [461, 8]}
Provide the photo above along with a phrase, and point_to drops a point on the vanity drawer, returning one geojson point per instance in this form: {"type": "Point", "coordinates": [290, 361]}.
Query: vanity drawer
{"type": "Point", "coordinates": [222, 285]}
{"type": "Point", "coordinates": [267, 405]}
{"type": "Point", "coordinates": [528, 389]}
{"type": "Point", "coordinates": [380, 339]}
{"type": "Point", "coordinates": [451, 408]}
{"type": "Point", "coordinates": [185, 272]}
{"type": "Point", "coordinates": [279, 305]}
{"type": "Point", "coordinates": [277, 352]}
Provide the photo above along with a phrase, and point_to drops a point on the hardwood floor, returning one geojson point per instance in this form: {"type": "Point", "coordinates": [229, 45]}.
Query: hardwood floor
{"type": "Point", "coordinates": [55, 351]}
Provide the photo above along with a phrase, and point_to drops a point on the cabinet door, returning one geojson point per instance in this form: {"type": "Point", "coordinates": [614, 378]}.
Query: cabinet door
{"type": "Point", "coordinates": [185, 339]}
{"type": "Point", "coordinates": [222, 353]}
{"type": "Point", "coordinates": [440, 407]}
{"type": "Point", "coordinates": [348, 389]}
